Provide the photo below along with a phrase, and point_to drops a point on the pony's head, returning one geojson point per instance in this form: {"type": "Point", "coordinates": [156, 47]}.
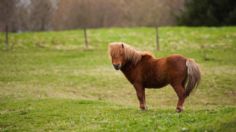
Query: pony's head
{"type": "Point", "coordinates": [120, 53]}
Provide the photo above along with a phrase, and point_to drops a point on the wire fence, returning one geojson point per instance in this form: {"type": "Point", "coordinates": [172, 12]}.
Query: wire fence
{"type": "Point", "coordinates": [81, 38]}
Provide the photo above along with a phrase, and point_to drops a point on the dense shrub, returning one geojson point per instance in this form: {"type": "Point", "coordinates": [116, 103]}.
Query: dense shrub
{"type": "Point", "coordinates": [208, 13]}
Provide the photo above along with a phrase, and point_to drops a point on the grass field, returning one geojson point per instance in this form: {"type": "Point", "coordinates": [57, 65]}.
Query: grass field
{"type": "Point", "coordinates": [50, 82]}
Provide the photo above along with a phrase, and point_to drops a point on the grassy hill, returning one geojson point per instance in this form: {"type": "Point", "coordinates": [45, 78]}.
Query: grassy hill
{"type": "Point", "coordinates": [50, 82]}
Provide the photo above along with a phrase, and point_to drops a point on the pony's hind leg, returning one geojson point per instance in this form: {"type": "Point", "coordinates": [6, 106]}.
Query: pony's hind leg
{"type": "Point", "coordinates": [179, 89]}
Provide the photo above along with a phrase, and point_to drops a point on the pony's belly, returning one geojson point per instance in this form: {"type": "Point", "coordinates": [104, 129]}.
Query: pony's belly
{"type": "Point", "coordinates": [155, 84]}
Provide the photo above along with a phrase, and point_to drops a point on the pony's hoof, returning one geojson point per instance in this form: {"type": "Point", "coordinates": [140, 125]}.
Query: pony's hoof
{"type": "Point", "coordinates": [179, 109]}
{"type": "Point", "coordinates": [144, 108]}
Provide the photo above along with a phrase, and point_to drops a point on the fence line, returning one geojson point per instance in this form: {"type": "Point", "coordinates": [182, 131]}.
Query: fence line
{"type": "Point", "coordinates": [76, 39]}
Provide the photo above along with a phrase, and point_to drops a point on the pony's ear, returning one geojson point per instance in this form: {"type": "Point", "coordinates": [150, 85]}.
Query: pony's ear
{"type": "Point", "coordinates": [122, 45]}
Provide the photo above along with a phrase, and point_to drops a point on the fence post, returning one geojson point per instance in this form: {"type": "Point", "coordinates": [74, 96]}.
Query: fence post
{"type": "Point", "coordinates": [157, 39]}
{"type": "Point", "coordinates": [85, 38]}
{"type": "Point", "coordinates": [6, 36]}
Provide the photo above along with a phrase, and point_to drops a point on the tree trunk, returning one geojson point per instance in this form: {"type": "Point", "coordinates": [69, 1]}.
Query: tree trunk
{"type": "Point", "coordinates": [85, 38]}
{"type": "Point", "coordinates": [6, 36]}
{"type": "Point", "coordinates": [157, 39]}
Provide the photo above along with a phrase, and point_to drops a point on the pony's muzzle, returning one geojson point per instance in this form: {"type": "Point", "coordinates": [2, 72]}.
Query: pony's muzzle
{"type": "Point", "coordinates": [117, 66]}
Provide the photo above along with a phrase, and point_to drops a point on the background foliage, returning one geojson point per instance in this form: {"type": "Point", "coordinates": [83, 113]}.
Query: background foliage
{"type": "Point", "coordinates": [208, 13]}
{"type": "Point", "coordinates": [40, 15]}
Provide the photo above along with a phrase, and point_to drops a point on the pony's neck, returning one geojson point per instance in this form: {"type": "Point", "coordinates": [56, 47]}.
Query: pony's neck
{"type": "Point", "coordinates": [127, 69]}
{"type": "Point", "coordinates": [128, 66]}
{"type": "Point", "coordinates": [133, 56]}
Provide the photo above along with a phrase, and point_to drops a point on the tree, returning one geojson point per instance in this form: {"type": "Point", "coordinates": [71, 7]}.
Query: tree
{"type": "Point", "coordinates": [41, 12]}
{"type": "Point", "coordinates": [208, 13]}
{"type": "Point", "coordinates": [7, 9]}
{"type": "Point", "coordinates": [106, 13]}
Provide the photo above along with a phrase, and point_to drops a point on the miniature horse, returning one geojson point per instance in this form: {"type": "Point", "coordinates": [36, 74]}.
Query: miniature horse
{"type": "Point", "coordinates": [145, 71]}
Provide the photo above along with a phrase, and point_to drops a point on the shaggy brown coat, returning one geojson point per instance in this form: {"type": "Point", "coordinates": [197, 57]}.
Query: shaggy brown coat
{"type": "Point", "coordinates": [143, 70]}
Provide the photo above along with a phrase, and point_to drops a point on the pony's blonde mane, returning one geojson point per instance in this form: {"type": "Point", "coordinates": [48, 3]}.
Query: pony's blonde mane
{"type": "Point", "coordinates": [130, 53]}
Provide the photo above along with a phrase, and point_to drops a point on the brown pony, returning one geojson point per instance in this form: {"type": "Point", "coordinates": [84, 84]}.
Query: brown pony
{"type": "Point", "coordinates": [145, 71]}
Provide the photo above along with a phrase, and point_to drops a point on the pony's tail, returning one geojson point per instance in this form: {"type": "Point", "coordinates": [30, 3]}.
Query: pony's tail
{"type": "Point", "coordinates": [194, 76]}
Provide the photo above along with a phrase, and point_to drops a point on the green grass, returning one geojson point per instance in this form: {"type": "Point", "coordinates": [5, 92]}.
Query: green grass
{"type": "Point", "coordinates": [69, 115]}
{"type": "Point", "coordinates": [50, 82]}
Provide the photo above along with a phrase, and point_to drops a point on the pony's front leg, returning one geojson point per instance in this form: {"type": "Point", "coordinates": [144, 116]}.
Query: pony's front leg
{"type": "Point", "coordinates": [140, 91]}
